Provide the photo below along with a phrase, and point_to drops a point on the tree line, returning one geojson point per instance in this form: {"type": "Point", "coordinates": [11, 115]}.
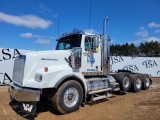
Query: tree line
{"type": "Point", "coordinates": [147, 49]}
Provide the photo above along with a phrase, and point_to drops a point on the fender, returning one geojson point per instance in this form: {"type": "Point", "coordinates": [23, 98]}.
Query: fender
{"type": "Point", "coordinates": [59, 74]}
{"type": "Point", "coordinates": [65, 75]}
{"type": "Point", "coordinates": [72, 77]}
{"type": "Point", "coordinates": [54, 77]}
{"type": "Point", "coordinates": [65, 78]}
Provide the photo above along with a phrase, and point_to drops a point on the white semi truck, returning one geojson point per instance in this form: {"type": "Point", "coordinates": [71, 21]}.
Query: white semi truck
{"type": "Point", "coordinates": [76, 72]}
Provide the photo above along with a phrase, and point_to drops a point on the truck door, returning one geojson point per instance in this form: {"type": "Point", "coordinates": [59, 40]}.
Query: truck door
{"type": "Point", "coordinates": [91, 57]}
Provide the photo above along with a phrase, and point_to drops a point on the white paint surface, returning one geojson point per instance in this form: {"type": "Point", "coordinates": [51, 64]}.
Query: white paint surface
{"type": "Point", "coordinates": [149, 65]}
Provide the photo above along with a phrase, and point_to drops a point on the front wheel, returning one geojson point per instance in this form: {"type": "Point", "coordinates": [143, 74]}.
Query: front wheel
{"type": "Point", "coordinates": [68, 97]}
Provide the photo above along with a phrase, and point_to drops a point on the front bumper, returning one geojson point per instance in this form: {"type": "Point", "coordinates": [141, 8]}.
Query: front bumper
{"type": "Point", "coordinates": [24, 94]}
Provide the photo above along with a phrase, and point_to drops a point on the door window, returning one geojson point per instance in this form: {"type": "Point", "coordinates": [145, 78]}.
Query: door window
{"type": "Point", "coordinates": [88, 43]}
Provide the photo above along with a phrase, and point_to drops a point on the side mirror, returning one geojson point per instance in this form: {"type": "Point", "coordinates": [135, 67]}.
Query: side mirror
{"type": "Point", "coordinates": [96, 41]}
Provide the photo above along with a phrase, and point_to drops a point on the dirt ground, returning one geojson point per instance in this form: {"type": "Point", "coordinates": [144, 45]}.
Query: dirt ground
{"type": "Point", "coordinates": [122, 106]}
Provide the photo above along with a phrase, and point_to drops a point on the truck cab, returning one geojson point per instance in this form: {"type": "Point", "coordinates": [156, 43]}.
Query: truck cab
{"type": "Point", "coordinates": [89, 53]}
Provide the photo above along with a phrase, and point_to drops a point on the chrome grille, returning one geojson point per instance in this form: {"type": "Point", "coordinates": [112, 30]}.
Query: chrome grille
{"type": "Point", "coordinates": [18, 70]}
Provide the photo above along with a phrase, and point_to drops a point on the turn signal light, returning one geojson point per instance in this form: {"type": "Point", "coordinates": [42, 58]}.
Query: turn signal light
{"type": "Point", "coordinates": [46, 69]}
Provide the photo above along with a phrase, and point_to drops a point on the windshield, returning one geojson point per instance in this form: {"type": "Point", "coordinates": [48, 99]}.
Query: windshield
{"type": "Point", "coordinates": [69, 42]}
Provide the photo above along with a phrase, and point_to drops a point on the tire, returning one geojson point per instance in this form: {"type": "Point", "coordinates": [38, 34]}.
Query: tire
{"type": "Point", "coordinates": [68, 97]}
{"type": "Point", "coordinates": [124, 80]}
{"type": "Point", "coordinates": [136, 82]}
{"type": "Point", "coordinates": [146, 82]}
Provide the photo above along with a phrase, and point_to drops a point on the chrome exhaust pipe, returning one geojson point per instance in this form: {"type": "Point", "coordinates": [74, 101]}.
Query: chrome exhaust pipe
{"type": "Point", "coordinates": [105, 49]}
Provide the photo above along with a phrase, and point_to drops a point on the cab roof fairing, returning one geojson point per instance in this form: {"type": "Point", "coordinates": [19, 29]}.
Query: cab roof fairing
{"type": "Point", "coordinates": [74, 33]}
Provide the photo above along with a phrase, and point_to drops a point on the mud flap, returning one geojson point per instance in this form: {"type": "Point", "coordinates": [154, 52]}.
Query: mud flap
{"type": "Point", "coordinates": [28, 107]}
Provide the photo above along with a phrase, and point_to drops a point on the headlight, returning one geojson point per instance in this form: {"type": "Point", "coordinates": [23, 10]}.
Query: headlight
{"type": "Point", "coordinates": [38, 77]}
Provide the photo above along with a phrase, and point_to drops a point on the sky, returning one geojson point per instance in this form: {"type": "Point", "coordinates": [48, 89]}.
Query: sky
{"type": "Point", "coordinates": [33, 24]}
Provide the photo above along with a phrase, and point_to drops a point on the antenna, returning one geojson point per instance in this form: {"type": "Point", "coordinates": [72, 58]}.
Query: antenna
{"type": "Point", "coordinates": [58, 27]}
{"type": "Point", "coordinates": [90, 16]}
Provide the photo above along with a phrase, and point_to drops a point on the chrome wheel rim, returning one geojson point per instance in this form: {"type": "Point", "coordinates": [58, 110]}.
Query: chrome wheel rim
{"type": "Point", "coordinates": [126, 82]}
{"type": "Point", "coordinates": [138, 83]}
{"type": "Point", "coordinates": [71, 97]}
{"type": "Point", "coordinates": [147, 81]}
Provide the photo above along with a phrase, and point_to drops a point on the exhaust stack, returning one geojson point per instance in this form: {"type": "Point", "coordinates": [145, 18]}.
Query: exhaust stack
{"type": "Point", "coordinates": [105, 49]}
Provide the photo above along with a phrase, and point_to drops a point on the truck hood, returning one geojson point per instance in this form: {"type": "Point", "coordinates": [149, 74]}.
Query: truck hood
{"type": "Point", "coordinates": [49, 52]}
{"type": "Point", "coordinates": [43, 59]}
{"type": "Point", "coordinates": [35, 62]}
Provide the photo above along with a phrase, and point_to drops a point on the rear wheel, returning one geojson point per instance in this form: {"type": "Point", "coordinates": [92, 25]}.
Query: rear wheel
{"type": "Point", "coordinates": [68, 97]}
{"type": "Point", "coordinates": [136, 82]}
{"type": "Point", "coordinates": [124, 80]}
{"type": "Point", "coordinates": [145, 81]}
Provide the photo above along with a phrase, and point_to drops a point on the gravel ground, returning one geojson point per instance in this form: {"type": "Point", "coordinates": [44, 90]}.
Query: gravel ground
{"type": "Point", "coordinates": [122, 106]}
